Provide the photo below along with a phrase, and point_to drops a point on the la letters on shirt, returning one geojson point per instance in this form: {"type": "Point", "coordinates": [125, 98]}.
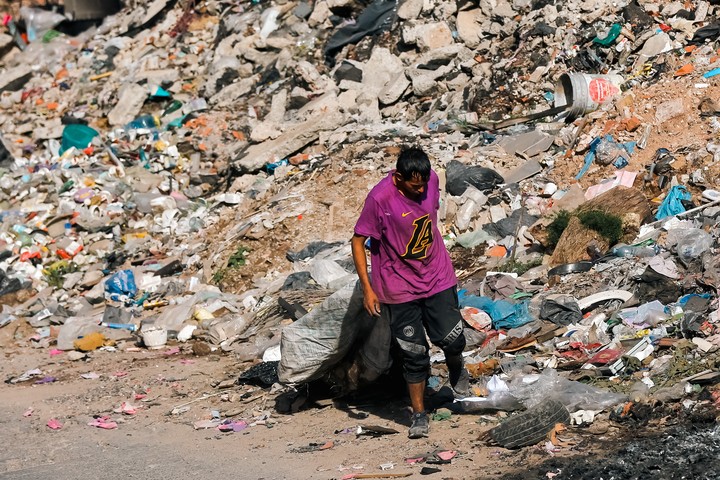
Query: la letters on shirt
{"type": "Point", "coordinates": [408, 257]}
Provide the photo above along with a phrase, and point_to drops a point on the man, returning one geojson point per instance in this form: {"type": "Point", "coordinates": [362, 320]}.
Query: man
{"type": "Point", "coordinates": [413, 280]}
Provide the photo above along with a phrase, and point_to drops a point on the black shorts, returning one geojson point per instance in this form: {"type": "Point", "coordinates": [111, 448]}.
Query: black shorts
{"type": "Point", "coordinates": [437, 317]}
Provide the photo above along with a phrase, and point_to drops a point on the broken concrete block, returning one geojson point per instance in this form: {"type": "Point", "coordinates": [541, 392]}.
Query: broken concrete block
{"type": "Point", "coordinates": [428, 36]}
{"type": "Point", "coordinates": [410, 9]}
{"type": "Point", "coordinates": [264, 131]}
{"type": "Point", "coordinates": [497, 8]}
{"type": "Point", "coordinates": [469, 27]}
{"type": "Point", "coordinates": [424, 82]}
{"type": "Point", "coordinates": [394, 89]}
{"type": "Point", "coordinates": [382, 68]}
{"type": "Point", "coordinates": [322, 113]}
{"type": "Point", "coordinates": [51, 129]}
{"type": "Point", "coordinates": [348, 100]}
{"type": "Point", "coordinates": [277, 107]}
{"type": "Point", "coordinates": [229, 95]}
{"type": "Point", "coordinates": [320, 14]}
{"type": "Point", "coordinates": [130, 100]}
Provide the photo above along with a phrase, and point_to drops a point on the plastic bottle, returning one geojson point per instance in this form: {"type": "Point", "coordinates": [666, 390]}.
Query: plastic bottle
{"type": "Point", "coordinates": [144, 121]}
{"type": "Point", "coordinates": [120, 326]}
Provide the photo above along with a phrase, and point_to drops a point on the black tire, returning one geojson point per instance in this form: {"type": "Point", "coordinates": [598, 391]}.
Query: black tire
{"type": "Point", "coordinates": [531, 426]}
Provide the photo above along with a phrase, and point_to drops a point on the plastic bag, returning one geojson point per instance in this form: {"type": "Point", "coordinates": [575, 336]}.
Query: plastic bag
{"type": "Point", "coordinates": [327, 272]}
{"type": "Point", "coordinates": [74, 328]}
{"type": "Point", "coordinates": [562, 310]}
{"type": "Point", "coordinates": [672, 205]}
{"type": "Point", "coordinates": [504, 314]}
{"type": "Point", "coordinates": [173, 317]}
{"type": "Point", "coordinates": [533, 389]}
{"type": "Point", "coordinates": [650, 314]}
{"type": "Point", "coordinates": [691, 245]}
{"type": "Point", "coordinates": [121, 286]}
{"type": "Point", "coordinates": [39, 21]}
{"type": "Point", "coordinates": [459, 176]}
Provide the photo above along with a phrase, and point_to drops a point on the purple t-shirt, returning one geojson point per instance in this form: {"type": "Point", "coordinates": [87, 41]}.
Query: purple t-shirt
{"type": "Point", "coordinates": [408, 257]}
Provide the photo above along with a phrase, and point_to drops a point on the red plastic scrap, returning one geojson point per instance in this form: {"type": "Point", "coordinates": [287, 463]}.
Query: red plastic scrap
{"type": "Point", "coordinates": [606, 356]}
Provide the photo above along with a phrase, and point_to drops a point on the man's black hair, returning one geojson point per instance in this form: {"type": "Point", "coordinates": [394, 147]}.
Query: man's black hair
{"type": "Point", "coordinates": [413, 162]}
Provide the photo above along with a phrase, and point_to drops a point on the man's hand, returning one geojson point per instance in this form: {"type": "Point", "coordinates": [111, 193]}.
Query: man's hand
{"type": "Point", "coordinates": [371, 302]}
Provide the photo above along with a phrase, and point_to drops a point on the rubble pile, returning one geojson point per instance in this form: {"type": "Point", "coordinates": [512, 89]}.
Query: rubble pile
{"type": "Point", "coordinates": [577, 142]}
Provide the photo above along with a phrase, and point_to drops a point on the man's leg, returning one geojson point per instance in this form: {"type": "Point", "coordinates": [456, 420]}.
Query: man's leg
{"type": "Point", "coordinates": [417, 396]}
{"type": "Point", "coordinates": [406, 323]}
{"type": "Point", "coordinates": [445, 329]}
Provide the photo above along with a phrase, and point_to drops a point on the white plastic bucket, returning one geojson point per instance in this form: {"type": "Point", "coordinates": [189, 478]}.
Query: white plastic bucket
{"type": "Point", "coordinates": [584, 93]}
{"type": "Point", "coordinates": [154, 337]}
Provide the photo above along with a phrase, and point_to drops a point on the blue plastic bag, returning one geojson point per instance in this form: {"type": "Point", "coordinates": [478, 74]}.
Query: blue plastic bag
{"type": "Point", "coordinates": [672, 205]}
{"type": "Point", "coordinates": [121, 286]}
{"type": "Point", "coordinates": [504, 315]}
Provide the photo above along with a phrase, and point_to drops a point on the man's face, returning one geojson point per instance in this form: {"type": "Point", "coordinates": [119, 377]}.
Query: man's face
{"type": "Point", "coordinates": [413, 188]}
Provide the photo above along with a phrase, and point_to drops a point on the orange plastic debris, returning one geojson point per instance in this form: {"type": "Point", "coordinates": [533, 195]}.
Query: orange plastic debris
{"type": "Point", "coordinates": [496, 251]}
{"type": "Point", "coordinates": [90, 342]}
{"type": "Point", "coordinates": [685, 70]}
{"type": "Point", "coordinates": [202, 147]}
{"type": "Point", "coordinates": [53, 105]}
{"type": "Point", "coordinates": [29, 255]}
{"type": "Point", "coordinates": [690, 48]}
{"type": "Point", "coordinates": [238, 135]}
{"type": "Point", "coordinates": [299, 158]}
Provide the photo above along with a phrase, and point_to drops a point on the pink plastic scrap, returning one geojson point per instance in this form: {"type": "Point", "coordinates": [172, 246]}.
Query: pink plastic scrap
{"type": "Point", "coordinates": [622, 177]}
{"type": "Point", "coordinates": [28, 412]}
{"type": "Point", "coordinates": [126, 408]}
{"type": "Point", "coordinates": [54, 424]}
{"type": "Point", "coordinates": [233, 426]}
{"type": "Point", "coordinates": [55, 351]}
{"type": "Point", "coordinates": [446, 454]}
{"type": "Point", "coordinates": [172, 351]}
{"type": "Point", "coordinates": [103, 422]}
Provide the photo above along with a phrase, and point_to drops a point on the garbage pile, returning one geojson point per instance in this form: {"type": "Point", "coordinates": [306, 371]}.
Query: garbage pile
{"type": "Point", "coordinates": [577, 206]}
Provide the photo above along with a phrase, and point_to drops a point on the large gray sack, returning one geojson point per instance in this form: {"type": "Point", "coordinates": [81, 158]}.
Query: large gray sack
{"type": "Point", "coordinates": [338, 328]}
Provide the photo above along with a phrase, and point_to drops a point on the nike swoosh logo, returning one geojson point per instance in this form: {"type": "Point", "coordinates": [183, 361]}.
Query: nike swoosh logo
{"type": "Point", "coordinates": [405, 214]}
